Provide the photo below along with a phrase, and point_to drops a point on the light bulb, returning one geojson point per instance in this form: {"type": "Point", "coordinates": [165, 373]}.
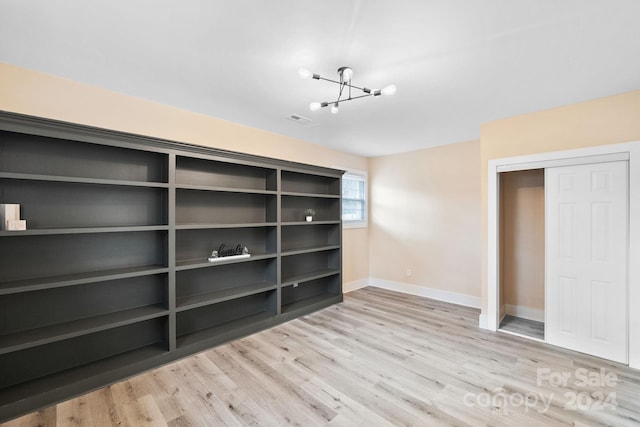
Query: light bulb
{"type": "Point", "coordinates": [304, 73]}
{"type": "Point", "coordinates": [334, 108]}
{"type": "Point", "coordinates": [389, 90]}
{"type": "Point", "coordinates": [347, 73]}
{"type": "Point", "coordinates": [315, 106]}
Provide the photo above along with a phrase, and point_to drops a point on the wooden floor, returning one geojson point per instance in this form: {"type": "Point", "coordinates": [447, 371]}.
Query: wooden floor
{"type": "Point", "coordinates": [378, 359]}
{"type": "Point", "coordinates": [526, 327]}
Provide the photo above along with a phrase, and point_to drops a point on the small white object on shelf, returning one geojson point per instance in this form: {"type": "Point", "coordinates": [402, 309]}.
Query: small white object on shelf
{"type": "Point", "coordinates": [309, 213]}
{"type": "Point", "coordinates": [16, 225]}
{"type": "Point", "coordinates": [227, 258]}
{"type": "Point", "coordinates": [222, 253]}
{"type": "Point", "coordinates": [10, 217]}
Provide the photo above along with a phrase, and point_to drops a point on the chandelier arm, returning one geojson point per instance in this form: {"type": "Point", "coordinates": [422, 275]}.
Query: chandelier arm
{"type": "Point", "coordinates": [328, 80]}
{"type": "Point", "coordinates": [356, 87]}
{"type": "Point", "coordinates": [349, 99]}
{"type": "Point", "coordinates": [338, 83]}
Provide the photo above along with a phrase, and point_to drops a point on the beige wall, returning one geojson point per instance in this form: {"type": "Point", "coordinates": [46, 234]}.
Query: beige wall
{"type": "Point", "coordinates": [29, 92]}
{"type": "Point", "coordinates": [425, 216]}
{"type": "Point", "coordinates": [522, 219]}
{"type": "Point", "coordinates": [609, 120]}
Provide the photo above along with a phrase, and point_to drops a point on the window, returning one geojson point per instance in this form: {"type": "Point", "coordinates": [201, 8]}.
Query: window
{"type": "Point", "coordinates": [354, 199]}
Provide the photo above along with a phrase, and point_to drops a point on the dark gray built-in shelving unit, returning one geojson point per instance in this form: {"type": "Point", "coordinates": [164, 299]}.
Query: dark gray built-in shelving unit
{"type": "Point", "coordinates": [111, 277]}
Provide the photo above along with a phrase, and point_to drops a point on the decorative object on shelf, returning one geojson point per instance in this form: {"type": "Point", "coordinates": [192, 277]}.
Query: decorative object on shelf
{"type": "Point", "coordinates": [309, 213]}
{"type": "Point", "coordinates": [224, 253]}
{"type": "Point", "coordinates": [345, 74]}
{"type": "Point", "coordinates": [10, 218]}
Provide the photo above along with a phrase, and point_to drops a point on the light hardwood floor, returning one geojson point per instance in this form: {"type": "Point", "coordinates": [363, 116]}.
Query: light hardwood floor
{"type": "Point", "coordinates": [378, 359]}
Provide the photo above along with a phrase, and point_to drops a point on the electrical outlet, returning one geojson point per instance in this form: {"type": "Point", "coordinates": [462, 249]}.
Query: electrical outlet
{"type": "Point", "coordinates": [408, 272]}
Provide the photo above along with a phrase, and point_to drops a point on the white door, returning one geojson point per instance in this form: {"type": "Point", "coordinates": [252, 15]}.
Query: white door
{"type": "Point", "coordinates": [586, 259]}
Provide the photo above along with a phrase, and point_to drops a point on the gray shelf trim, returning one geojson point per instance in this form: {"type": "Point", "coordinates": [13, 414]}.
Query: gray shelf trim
{"type": "Point", "coordinates": [218, 155]}
{"type": "Point", "coordinates": [223, 156]}
{"type": "Point", "coordinates": [302, 168]}
{"type": "Point", "coordinates": [214, 226]}
{"type": "Point", "coordinates": [224, 189]}
{"type": "Point", "coordinates": [198, 337]}
{"type": "Point", "coordinates": [49, 334]}
{"type": "Point", "coordinates": [41, 283]}
{"type": "Point", "coordinates": [171, 254]}
{"type": "Point", "coordinates": [88, 230]}
{"type": "Point", "coordinates": [80, 180]}
{"type": "Point", "coordinates": [295, 223]}
{"type": "Point", "coordinates": [314, 195]}
{"type": "Point", "coordinates": [312, 275]}
{"type": "Point", "coordinates": [203, 263]}
{"type": "Point", "coordinates": [309, 304]}
{"type": "Point", "coordinates": [299, 251]}
{"type": "Point", "coordinates": [209, 298]}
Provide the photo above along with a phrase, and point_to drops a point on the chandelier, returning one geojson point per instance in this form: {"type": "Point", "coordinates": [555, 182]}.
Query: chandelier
{"type": "Point", "coordinates": [345, 74]}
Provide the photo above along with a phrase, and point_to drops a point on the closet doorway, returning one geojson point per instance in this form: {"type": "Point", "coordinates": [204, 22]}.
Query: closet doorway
{"type": "Point", "coordinates": [522, 258]}
{"type": "Point", "coordinates": [578, 314]}
{"type": "Point", "coordinates": [563, 260]}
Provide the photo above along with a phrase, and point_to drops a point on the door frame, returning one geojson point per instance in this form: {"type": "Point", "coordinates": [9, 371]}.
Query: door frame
{"type": "Point", "coordinates": [624, 151]}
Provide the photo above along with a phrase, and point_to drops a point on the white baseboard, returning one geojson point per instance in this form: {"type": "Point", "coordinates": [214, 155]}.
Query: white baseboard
{"type": "Point", "coordinates": [524, 312]}
{"type": "Point", "coordinates": [355, 285]}
{"type": "Point", "coordinates": [482, 321]}
{"type": "Point", "coordinates": [437, 294]}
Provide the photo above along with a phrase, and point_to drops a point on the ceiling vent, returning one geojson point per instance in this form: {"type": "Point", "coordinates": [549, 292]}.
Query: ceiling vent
{"type": "Point", "coordinates": [301, 120]}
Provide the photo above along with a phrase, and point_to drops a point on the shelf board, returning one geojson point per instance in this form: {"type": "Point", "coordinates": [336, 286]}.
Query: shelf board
{"type": "Point", "coordinates": [203, 263]}
{"type": "Point", "coordinates": [40, 283]}
{"type": "Point", "coordinates": [195, 301]}
{"type": "Point", "coordinates": [223, 328]}
{"type": "Point", "coordinates": [298, 251]}
{"type": "Point", "coordinates": [84, 230]}
{"type": "Point", "coordinates": [307, 302]}
{"type": "Point", "coordinates": [296, 223]}
{"type": "Point", "coordinates": [224, 189]}
{"type": "Point", "coordinates": [325, 272]}
{"type": "Point", "coordinates": [80, 180]}
{"type": "Point", "coordinates": [48, 334]}
{"type": "Point", "coordinates": [315, 195]}
{"type": "Point", "coordinates": [213, 226]}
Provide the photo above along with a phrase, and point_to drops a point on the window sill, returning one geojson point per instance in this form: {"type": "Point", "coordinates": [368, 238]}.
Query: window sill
{"type": "Point", "coordinates": [354, 224]}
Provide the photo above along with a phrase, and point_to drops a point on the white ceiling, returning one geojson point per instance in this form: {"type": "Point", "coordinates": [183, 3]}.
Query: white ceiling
{"type": "Point", "coordinates": [457, 63]}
